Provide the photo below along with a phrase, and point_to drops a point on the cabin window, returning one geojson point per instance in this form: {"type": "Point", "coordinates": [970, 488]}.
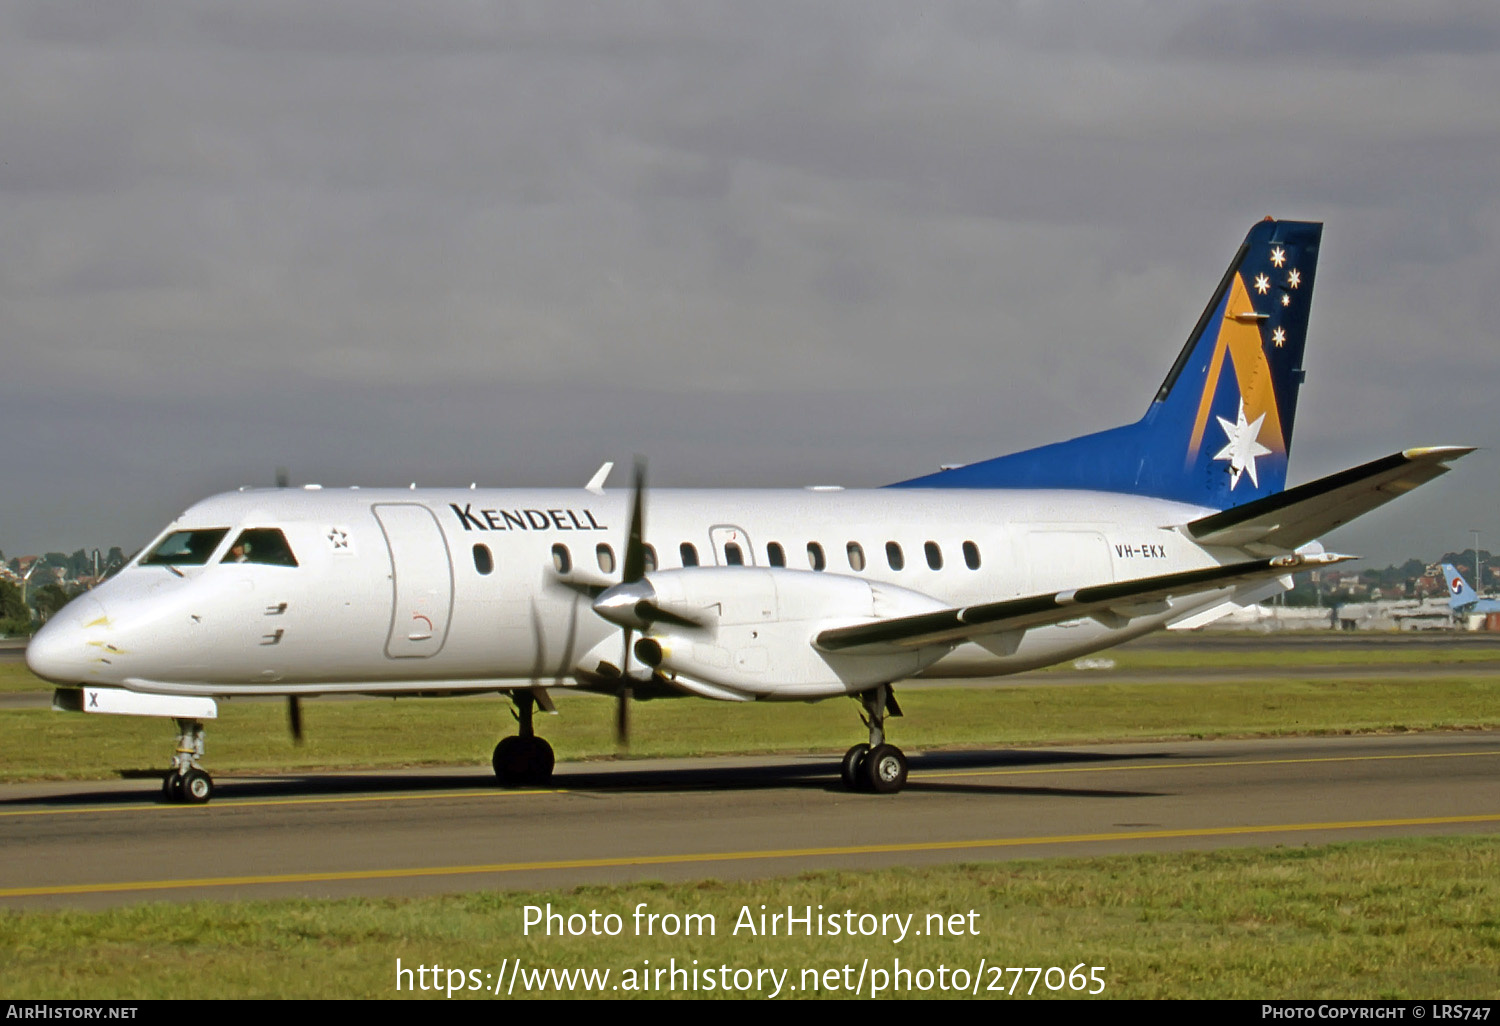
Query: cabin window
{"type": "Point", "coordinates": [732, 554]}
{"type": "Point", "coordinates": [856, 556]}
{"type": "Point", "coordinates": [971, 555]}
{"type": "Point", "coordinates": [775, 554]}
{"type": "Point", "coordinates": [934, 555]}
{"type": "Point", "coordinates": [264, 545]}
{"type": "Point", "coordinates": [562, 561]}
{"type": "Point", "coordinates": [689, 554]}
{"type": "Point", "coordinates": [606, 557]}
{"type": "Point", "coordinates": [893, 556]}
{"type": "Point", "coordinates": [483, 561]}
{"type": "Point", "coordinates": [185, 548]}
{"type": "Point", "coordinates": [815, 556]}
{"type": "Point", "coordinates": [649, 552]}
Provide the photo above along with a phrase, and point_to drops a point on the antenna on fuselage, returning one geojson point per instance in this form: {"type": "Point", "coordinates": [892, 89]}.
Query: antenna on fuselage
{"type": "Point", "coordinates": [283, 479]}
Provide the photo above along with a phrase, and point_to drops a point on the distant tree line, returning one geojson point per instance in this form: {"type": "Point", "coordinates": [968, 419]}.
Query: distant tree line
{"type": "Point", "coordinates": [79, 564]}
{"type": "Point", "coordinates": [1307, 592]}
{"type": "Point", "coordinates": [44, 594]}
{"type": "Point", "coordinates": [15, 618]}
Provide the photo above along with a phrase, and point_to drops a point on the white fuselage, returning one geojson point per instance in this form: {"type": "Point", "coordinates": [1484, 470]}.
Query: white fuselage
{"type": "Point", "coordinates": [449, 590]}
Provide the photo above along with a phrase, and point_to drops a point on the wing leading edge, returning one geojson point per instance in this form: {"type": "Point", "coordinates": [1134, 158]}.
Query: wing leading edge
{"type": "Point", "coordinates": [1124, 599]}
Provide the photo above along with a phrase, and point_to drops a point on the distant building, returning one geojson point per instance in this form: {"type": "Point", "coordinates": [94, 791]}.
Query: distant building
{"type": "Point", "coordinates": [1384, 615]}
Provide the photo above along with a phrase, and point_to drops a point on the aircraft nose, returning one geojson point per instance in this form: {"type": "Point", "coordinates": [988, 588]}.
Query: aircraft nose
{"type": "Point", "coordinates": [64, 651]}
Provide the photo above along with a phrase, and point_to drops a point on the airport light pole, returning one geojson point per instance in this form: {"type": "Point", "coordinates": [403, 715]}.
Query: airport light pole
{"type": "Point", "coordinates": [1478, 568]}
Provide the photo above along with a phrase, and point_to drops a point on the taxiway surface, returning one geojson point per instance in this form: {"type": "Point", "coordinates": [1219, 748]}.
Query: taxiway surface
{"type": "Point", "coordinates": [399, 833]}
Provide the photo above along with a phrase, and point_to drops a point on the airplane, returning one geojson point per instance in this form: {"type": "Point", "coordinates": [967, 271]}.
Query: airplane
{"type": "Point", "coordinates": [1462, 599]}
{"type": "Point", "coordinates": [741, 595]}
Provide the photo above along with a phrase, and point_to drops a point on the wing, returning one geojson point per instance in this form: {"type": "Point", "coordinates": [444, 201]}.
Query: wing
{"type": "Point", "coordinates": [1282, 522]}
{"type": "Point", "coordinates": [1124, 599]}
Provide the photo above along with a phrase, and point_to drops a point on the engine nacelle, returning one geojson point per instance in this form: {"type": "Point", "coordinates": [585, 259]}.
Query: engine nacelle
{"type": "Point", "coordinates": [756, 627]}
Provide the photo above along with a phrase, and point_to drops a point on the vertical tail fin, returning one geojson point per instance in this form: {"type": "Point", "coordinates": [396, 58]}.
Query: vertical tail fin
{"type": "Point", "coordinates": [1220, 427]}
{"type": "Point", "coordinates": [1460, 594]}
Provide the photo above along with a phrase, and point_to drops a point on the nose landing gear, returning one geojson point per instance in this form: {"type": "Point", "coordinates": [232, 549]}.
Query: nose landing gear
{"type": "Point", "coordinates": [187, 782]}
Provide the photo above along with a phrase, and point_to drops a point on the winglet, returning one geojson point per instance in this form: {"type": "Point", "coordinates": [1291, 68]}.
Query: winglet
{"type": "Point", "coordinates": [596, 483]}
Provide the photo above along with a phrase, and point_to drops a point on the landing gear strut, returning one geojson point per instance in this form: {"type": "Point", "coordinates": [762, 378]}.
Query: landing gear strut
{"type": "Point", "coordinates": [187, 782]}
{"type": "Point", "coordinates": [876, 766]}
{"type": "Point", "coordinates": [523, 759]}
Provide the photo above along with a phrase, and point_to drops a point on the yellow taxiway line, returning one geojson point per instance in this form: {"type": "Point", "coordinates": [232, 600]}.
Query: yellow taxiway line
{"type": "Point", "coordinates": [1196, 765]}
{"type": "Point", "coordinates": [668, 859]}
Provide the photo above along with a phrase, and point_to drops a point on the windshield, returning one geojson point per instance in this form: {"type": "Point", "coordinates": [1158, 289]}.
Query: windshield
{"type": "Point", "coordinates": [185, 548]}
{"type": "Point", "coordinates": [261, 545]}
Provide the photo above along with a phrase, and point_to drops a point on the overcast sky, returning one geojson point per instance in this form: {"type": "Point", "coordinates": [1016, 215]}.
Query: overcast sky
{"type": "Point", "coordinates": [763, 243]}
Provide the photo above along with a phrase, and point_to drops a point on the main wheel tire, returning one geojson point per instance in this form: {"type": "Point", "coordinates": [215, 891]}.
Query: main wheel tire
{"type": "Point", "coordinates": [850, 770]}
{"type": "Point", "coordinates": [885, 769]}
{"type": "Point", "coordinates": [507, 760]}
{"type": "Point", "coordinates": [167, 782]}
{"type": "Point", "coordinates": [197, 786]}
{"type": "Point", "coordinates": [539, 762]}
{"type": "Point", "coordinates": [173, 788]}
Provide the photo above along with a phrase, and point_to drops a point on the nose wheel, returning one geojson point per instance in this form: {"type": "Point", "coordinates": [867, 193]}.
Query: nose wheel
{"type": "Point", "coordinates": [876, 766]}
{"type": "Point", "coordinates": [187, 783]}
{"type": "Point", "coordinates": [523, 760]}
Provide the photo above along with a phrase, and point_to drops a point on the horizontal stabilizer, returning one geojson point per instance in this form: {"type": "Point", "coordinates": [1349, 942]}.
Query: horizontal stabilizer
{"type": "Point", "coordinates": [1122, 600]}
{"type": "Point", "coordinates": [1296, 516]}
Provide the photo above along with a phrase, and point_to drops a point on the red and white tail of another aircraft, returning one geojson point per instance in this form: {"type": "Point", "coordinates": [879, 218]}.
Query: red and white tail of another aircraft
{"type": "Point", "coordinates": [743, 595]}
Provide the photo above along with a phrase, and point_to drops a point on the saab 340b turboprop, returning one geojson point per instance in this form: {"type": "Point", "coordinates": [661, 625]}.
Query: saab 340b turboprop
{"type": "Point", "coordinates": [743, 595]}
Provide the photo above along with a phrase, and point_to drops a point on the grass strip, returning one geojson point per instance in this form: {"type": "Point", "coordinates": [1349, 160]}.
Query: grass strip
{"type": "Point", "coordinates": [1406, 918]}
{"type": "Point", "coordinates": [251, 736]}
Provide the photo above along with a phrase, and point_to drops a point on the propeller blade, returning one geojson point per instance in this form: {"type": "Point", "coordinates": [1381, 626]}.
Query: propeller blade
{"type": "Point", "coordinates": [622, 698]}
{"type": "Point", "coordinates": [635, 546]}
{"type": "Point", "coordinates": [294, 717]}
{"type": "Point", "coordinates": [655, 614]}
{"type": "Point", "coordinates": [622, 716]}
{"type": "Point", "coordinates": [634, 569]}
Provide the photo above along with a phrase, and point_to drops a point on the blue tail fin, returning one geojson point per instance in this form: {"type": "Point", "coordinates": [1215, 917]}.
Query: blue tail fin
{"type": "Point", "coordinates": [1220, 428]}
{"type": "Point", "coordinates": [1460, 594]}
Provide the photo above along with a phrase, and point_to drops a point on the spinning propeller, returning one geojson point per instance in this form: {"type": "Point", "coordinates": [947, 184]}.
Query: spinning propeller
{"type": "Point", "coordinates": [631, 604]}
{"type": "Point", "coordinates": [632, 572]}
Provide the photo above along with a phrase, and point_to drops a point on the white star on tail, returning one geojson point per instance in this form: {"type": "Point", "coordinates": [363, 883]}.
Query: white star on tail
{"type": "Point", "coordinates": [1278, 256]}
{"type": "Point", "coordinates": [1262, 284]}
{"type": "Point", "coordinates": [1243, 446]}
{"type": "Point", "coordinates": [1279, 337]}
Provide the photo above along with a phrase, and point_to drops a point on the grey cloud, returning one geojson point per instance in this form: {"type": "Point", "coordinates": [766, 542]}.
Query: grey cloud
{"type": "Point", "coordinates": [1282, 31]}
{"type": "Point", "coordinates": [389, 235]}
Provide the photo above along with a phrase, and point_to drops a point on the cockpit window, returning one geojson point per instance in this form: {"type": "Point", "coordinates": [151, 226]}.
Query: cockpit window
{"type": "Point", "coordinates": [185, 548]}
{"type": "Point", "coordinates": [261, 545]}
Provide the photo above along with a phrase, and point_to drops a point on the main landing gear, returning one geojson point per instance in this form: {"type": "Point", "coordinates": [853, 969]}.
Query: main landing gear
{"type": "Point", "coordinates": [187, 782]}
{"type": "Point", "coordinates": [523, 759]}
{"type": "Point", "coordinates": [876, 766]}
